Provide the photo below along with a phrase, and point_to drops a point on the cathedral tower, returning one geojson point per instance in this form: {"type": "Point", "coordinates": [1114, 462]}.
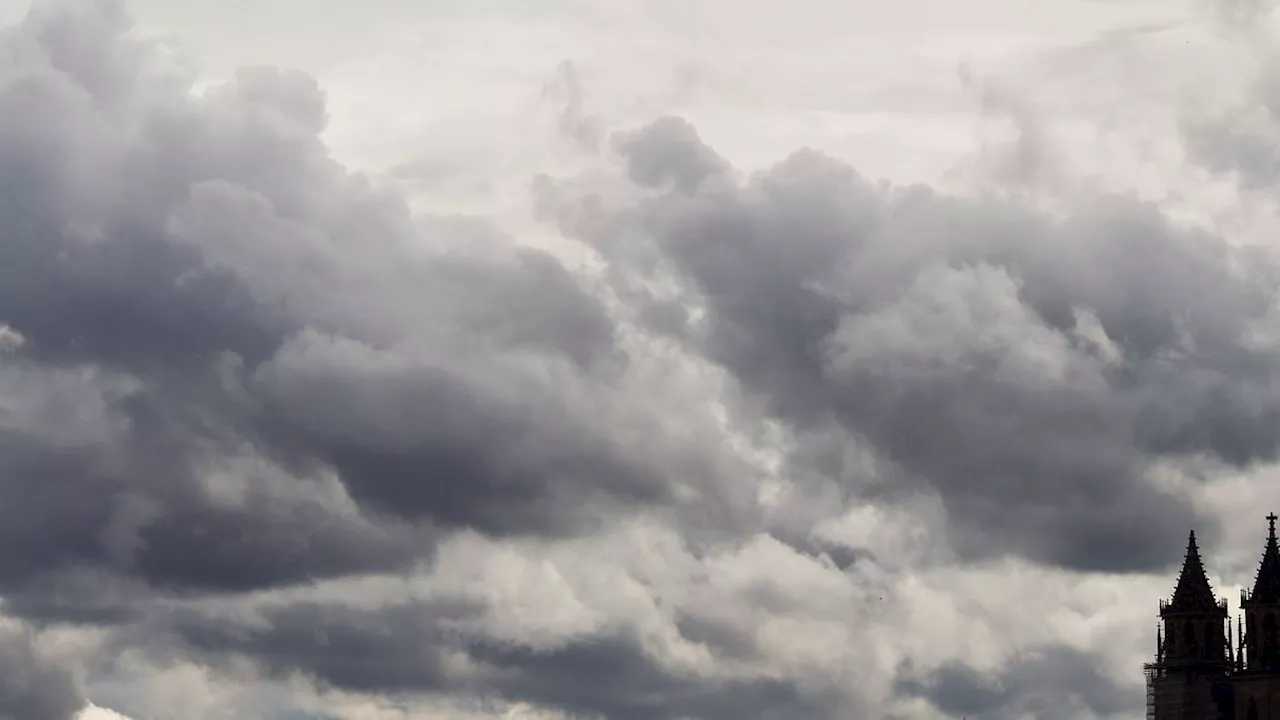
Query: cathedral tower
{"type": "Point", "coordinates": [1190, 678]}
{"type": "Point", "coordinates": [1258, 679]}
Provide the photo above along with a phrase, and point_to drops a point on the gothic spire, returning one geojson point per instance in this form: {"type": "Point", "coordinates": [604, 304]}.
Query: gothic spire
{"type": "Point", "coordinates": [1193, 591]}
{"type": "Point", "coordinates": [1266, 587]}
{"type": "Point", "coordinates": [1239, 642]}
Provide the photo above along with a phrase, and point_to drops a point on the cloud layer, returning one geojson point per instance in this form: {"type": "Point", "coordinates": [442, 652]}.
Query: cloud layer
{"type": "Point", "coordinates": [783, 444]}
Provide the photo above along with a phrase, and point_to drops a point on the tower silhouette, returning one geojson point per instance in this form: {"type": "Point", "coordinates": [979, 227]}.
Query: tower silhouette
{"type": "Point", "coordinates": [1196, 674]}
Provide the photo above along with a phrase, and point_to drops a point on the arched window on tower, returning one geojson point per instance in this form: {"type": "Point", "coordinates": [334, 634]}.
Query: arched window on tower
{"type": "Point", "coordinates": [1189, 639]}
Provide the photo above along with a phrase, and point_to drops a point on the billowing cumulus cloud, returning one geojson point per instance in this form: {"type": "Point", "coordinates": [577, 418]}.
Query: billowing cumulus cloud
{"type": "Point", "coordinates": [231, 365]}
{"type": "Point", "coordinates": [1028, 368]}
{"type": "Point", "coordinates": [242, 366]}
{"type": "Point", "coordinates": [780, 443]}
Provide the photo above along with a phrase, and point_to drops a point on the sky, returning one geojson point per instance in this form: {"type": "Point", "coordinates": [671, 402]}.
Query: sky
{"type": "Point", "coordinates": [628, 360]}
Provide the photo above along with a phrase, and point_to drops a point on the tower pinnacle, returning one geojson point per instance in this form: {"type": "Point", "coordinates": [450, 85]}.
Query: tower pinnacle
{"type": "Point", "coordinates": [1193, 591]}
{"type": "Point", "coordinates": [1266, 587]}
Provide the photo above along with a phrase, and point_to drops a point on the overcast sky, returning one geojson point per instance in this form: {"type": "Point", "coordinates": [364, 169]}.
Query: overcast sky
{"type": "Point", "coordinates": [636, 360]}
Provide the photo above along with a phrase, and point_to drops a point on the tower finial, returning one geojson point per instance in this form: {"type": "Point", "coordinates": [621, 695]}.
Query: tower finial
{"type": "Point", "coordinates": [1271, 522]}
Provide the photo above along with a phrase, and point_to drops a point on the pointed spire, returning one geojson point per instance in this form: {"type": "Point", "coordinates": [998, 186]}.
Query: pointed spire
{"type": "Point", "coordinates": [1266, 587]}
{"type": "Point", "coordinates": [1239, 642]}
{"type": "Point", "coordinates": [1193, 591]}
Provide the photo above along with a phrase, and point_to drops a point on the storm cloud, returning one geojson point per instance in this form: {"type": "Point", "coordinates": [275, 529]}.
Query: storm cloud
{"type": "Point", "coordinates": [31, 684]}
{"type": "Point", "coordinates": [1030, 369]}
{"type": "Point", "coordinates": [242, 366]}
{"type": "Point", "coordinates": [1051, 682]}
{"type": "Point", "coordinates": [779, 443]}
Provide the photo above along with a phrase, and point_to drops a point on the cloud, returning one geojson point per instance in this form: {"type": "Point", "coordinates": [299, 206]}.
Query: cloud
{"type": "Point", "coordinates": [1051, 682]}
{"type": "Point", "coordinates": [97, 713]}
{"type": "Point", "coordinates": [785, 443]}
{"type": "Point", "coordinates": [10, 340]}
{"type": "Point", "coordinates": [465, 631]}
{"type": "Point", "coordinates": [32, 687]}
{"type": "Point", "coordinates": [233, 366]}
{"type": "Point", "coordinates": [420, 648]}
{"type": "Point", "coordinates": [243, 366]}
{"type": "Point", "coordinates": [387, 649]}
{"type": "Point", "coordinates": [949, 334]}
{"type": "Point", "coordinates": [612, 678]}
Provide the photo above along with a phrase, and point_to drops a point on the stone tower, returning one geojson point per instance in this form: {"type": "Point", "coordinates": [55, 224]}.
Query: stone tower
{"type": "Point", "coordinates": [1191, 677]}
{"type": "Point", "coordinates": [1257, 677]}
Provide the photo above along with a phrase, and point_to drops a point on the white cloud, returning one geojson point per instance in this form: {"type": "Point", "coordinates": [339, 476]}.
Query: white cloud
{"type": "Point", "coordinates": [93, 712]}
{"type": "Point", "coordinates": [10, 339]}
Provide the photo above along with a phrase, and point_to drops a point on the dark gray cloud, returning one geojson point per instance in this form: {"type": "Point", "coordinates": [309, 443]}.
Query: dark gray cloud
{"type": "Point", "coordinates": [421, 647]}
{"type": "Point", "coordinates": [612, 677]}
{"type": "Point", "coordinates": [247, 367]}
{"type": "Point", "coordinates": [402, 647]}
{"type": "Point", "coordinates": [31, 686]}
{"type": "Point", "coordinates": [1056, 682]}
{"type": "Point", "coordinates": [1030, 369]}
{"type": "Point", "coordinates": [138, 490]}
{"type": "Point", "coordinates": [231, 365]}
